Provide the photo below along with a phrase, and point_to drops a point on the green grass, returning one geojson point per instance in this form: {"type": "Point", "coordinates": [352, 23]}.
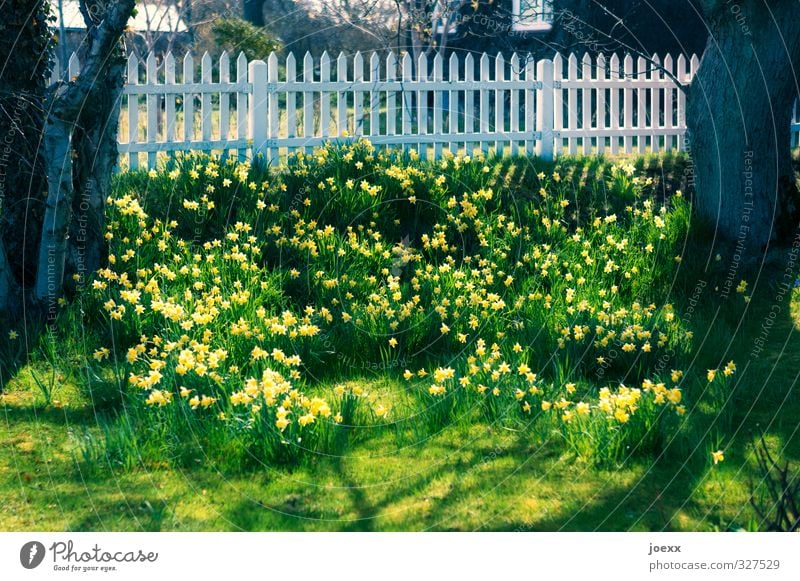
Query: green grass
{"type": "Point", "coordinates": [481, 478]}
{"type": "Point", "coordinates": [86, 448]}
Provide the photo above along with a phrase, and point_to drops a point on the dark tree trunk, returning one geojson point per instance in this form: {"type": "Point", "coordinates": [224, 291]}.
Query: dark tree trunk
{"type": "Point", "coordinates": [738, 114]}
{"type": "Point", "coordinates": [9, 290]}
{"type": "Point", "coordinates": [254, 12]}
{"type": "Point", "coordinates": [24, 72]}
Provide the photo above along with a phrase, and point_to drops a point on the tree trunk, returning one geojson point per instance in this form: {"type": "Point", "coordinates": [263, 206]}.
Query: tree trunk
{"type": "Point", "coordinates": [58, 211]}
{"type": "Point", "coordinates": [8, 287]}
{"type": "Point", "coordinates": [738, 114]}
{"type": "Point", "coordinates": [254, 12]}
{"type": "Point", "coordinates": [97, 154]}
{"type": "Point", "coordinates": [82, 122]}
{"type": "Point", "coordinates": [25, 55]}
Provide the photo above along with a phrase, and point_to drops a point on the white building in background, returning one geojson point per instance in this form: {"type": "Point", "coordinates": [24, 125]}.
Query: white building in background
{"type": "Point", "coordinates": [532, 15]}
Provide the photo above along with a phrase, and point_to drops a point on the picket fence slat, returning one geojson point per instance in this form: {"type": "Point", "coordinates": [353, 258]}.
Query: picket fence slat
{"type": "Point", "coordinates": [205, 100]}
{"type": "Point", "coordinates": [308, 99]}
{"type": "Point", "coordinates": [544, 106]}
{"type": "Point", "coordinates": [257, 107]}
{"type": "Point", "coordinates": [374, 99]}
{"type": "Point", "coordinates": [358, 95]}
{"type": "Point", "coordinates": [73, 66]}
{"type": "Point", "coordinates": [391, 96]}
{"type": "Point", "coordinates": [513, 101]}
{"type": "Point", "coordinates": [406, 96]}
{"type": "Point", "coordinates": [438, 75]}
{"type": "Point", "coordinates": [572, 102]}
{"type": "Point", "coordinates": [601, 112]}
{"type": "Point", "coordinates": [668, 102]}
{"type": "Point", "coordinates": [224, 98]}
{"type": "Point", "coordinates": [274, 114]}
{"type": "Point", "coordinates": [469, 102]}
{"type": "Point", "coordinates": [169, 100]}
{"type": "Point", "coordinates": [325, 97]}
{"type": "Point", "coordinates": [341, 95]}
{"type": "Point", "coordinates": [422, 104]}
{"type": "Point", "coordinates": [152, 106]}
{"type": "Point", "coordinates": [241, 105]}
{"type": "Point", "coordinates": [453, 103]}
{"type": "Point", "coordinates": [188, 97]}
{"type": "Point", "coordinates": [586, 102]}
{"type": "Point", "coordinates": [291, 96]}
{"type": "Point", "coordinates": [655, 104]}
{"type": "Point", "coordinates": [133, 109]}
{"type": "Point", "coordinates": [682, 74]}
{"type": "Point", "coordinates": [558, 103]}
{"type": "Point", "coordinates": [499, 101]}
{"type": "Point", "coordinates": [641, 105]}
{"type": "Point", "coordinates": [627, 71]}
{"type": "Point", "coordinates": [569, 104]}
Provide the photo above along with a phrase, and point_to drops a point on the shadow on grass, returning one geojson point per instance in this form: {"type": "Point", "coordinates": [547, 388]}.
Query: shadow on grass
{"type": "Point", "coordinates": [82, 417]}
{"type": "Point", "coordinates": [16, 348]}
{"type": "Point", "coordinates": [343, 503]}
{"type": "Point", "coordinates": [136, 511]}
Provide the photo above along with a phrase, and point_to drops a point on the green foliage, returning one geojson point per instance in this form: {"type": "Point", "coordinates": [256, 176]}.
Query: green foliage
{"type": "Point", "coordinates": [775, 497]}
{"type": "Point", "coordinates": [235, 34]}
{"type": "Point", "coordinates": [25, 36]}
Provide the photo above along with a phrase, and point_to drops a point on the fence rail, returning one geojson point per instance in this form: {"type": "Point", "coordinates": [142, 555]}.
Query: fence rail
{"type": "Point", "coordinates": [490, 103]}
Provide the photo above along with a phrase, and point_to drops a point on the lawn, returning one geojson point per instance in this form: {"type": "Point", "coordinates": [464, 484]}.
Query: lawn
{"type": "Point", "coordinates": [362, 340]}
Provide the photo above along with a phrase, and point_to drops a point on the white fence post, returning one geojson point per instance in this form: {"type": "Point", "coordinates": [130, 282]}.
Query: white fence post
{"type": "Point", "coordinates": [257, 109]}
{"type": "Point", "coordinates": [544, 109]}
{"type": "Point", "coordinates": [308, 101]}
{"type": "Point", "coordinates": [153, 110]}
{"type": "Point", "coordinates": [532, 134]}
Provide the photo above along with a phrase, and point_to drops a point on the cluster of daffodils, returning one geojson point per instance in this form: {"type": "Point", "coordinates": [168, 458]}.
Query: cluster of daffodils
{"type": "Point", "coordinates": [202, 321]}
{"type": "Point", "coordinates": [727, 371]}
{"type": "Point", "coordinates": [350, 254]}
{"type": "Point", "coordinates": [273, 390]}
{"type": "Point", "coordinates": [502, 375]}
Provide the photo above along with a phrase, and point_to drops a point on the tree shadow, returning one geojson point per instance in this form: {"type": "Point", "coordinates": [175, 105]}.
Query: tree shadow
{"type": "Point", "coordinates": [141, 512]}
{"type": "Point", "coordinates": [16, 348]}
{"type": "Point", "coordinates": [357, 499]}
{"type": "Point", "coordinates": [509, 495]}
{"type": "Point", "coordinates": [83, 417]}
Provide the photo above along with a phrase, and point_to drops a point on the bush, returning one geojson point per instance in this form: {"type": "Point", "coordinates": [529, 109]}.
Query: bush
{"type": "Point", "coordinates": [234, 34]}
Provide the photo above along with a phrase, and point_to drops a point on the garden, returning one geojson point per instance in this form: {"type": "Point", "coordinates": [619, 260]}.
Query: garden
{"type": "Point", "coordinates": [360, 339]}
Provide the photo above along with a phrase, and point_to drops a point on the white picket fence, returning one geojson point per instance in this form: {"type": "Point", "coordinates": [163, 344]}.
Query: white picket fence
{"type": "Point", "coordinates": [513, 106]}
